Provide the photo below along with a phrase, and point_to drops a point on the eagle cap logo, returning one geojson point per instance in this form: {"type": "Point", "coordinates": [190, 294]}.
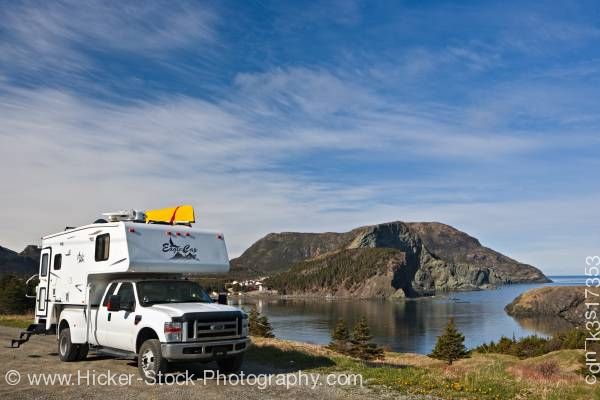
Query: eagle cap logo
{"type": "Point", "coordinates": [185, 252]}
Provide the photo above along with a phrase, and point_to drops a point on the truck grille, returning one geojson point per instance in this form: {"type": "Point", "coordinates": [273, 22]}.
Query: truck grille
{"type": "Point", "coordinates": [203, 330]}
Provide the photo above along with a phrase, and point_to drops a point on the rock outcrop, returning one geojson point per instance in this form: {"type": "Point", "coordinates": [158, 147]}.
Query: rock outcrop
{"type": "Point", "coordinates": [436, 257]}
{"type": "Point", "coordinates": [566, 302]}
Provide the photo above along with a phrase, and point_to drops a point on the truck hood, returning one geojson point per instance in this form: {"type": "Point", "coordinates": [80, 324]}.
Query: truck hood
{"type": "Point", "coordinates": [178, 309]}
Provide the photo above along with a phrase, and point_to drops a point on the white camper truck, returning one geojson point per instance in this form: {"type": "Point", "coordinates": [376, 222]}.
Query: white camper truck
{"type": "Point", "coordinates": [117, 287]}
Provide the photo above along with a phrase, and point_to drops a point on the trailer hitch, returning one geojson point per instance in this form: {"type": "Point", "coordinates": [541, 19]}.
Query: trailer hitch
{"type": "Point", "coordinates": [33, 329]}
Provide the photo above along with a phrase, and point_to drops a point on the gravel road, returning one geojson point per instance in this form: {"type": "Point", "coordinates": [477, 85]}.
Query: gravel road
{"type": "Point", "coordinates": [39, 356]}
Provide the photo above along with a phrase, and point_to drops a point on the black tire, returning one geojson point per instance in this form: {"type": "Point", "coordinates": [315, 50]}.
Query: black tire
{"type": "Point", "coordinates": [83, 351]}
{"type": "Point", "coordinates": [151, 363]}
{"type": "Point", "coordinates": [231, 365]}
{"type": "Point", "coordinates": [67, 351]}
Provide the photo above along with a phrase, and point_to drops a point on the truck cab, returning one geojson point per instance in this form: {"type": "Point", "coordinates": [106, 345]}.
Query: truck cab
{"type": "Point", "coordinates": [158, 321]}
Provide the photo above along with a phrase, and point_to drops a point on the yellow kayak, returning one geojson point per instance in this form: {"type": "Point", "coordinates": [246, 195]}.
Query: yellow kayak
{"type": "Point", "coordinates": [183, 214]}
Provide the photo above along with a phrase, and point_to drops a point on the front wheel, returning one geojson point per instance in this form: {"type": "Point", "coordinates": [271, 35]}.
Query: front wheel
{"type": "Point", "coordinates": [231, 365]}
{"type": "Point", "coordinates": [151, 363]}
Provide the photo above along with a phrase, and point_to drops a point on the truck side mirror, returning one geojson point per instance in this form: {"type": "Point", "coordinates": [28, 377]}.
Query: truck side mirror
{"type": "Point", "coordinates": [222, 298]}
{"type": "Point", "coordinates": [29, 285]}
{"type": "Point", "coordinates": [114, 303]}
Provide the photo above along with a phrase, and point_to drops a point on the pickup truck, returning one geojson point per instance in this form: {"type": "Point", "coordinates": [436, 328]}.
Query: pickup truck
{"type": "Point", "coordinates": [156, 321]}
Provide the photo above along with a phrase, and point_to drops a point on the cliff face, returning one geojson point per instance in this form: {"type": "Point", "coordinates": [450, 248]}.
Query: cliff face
{"type": "Point", "coordinates": [436, 257]}
{"type": "Point", "coordinates": [566, 302]}
{"type": "Point", "coordinates": [459, 248]}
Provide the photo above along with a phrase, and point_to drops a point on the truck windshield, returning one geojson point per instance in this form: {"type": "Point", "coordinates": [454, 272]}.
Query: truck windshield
{"type": "Point", "coordinates": [155, 292]}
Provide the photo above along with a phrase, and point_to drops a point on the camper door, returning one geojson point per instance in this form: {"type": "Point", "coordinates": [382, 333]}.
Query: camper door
{"type": "Point", "coordinates": [43, 288]}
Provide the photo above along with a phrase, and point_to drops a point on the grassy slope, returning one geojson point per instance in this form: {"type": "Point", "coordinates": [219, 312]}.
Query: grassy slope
{"type": "Point", "coordinates": [483, 376]}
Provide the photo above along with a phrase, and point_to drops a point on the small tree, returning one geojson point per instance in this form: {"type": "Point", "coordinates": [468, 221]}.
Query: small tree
{"type": "Point", "coordinates": [450, 345]}
{"type": "Point", "coordinates": [259, 325]}
{"type": "Point", "coordinates": [361, 346]}
{"type": "Point", "coordinates": [340, 338]}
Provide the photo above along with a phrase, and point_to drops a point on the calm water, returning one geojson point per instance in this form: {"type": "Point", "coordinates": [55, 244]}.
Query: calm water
{"type": "Point", "coordinates": [411, 325]}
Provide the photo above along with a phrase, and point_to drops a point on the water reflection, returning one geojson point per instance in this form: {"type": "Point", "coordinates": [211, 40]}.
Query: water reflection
{"type": "Point", "coordinates": [546, 325]}
{"type": "Point", "coordinates": [404, 325]}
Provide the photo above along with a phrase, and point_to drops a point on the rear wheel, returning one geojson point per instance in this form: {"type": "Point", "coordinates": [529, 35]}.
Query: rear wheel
{"type": "Point", "coordinates": [151, 363]}
{"type": "Point", "coordinates": [67, 351]}
{"type": "Point", "coordinates": [231, 365]}
{"type": "Point", "coordinates": [83, 351]}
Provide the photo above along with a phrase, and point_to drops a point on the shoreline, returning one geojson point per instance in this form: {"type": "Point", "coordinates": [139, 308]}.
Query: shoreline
{"type": "Point", "coordinates": [317, 296]}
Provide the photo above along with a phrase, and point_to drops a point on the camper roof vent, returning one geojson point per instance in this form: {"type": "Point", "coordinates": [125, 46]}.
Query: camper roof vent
{"type": "Point", "coordinates": [126, 215]}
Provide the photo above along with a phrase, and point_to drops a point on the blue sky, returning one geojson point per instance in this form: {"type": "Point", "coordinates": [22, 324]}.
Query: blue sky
{"type": "Point", "coordinates": [310, 116]}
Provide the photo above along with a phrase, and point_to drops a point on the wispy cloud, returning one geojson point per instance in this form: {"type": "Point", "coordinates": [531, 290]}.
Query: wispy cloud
{"type": "Point", "coordinates": [63, 35]}
{"type": "Point", "coordinates": [270, 117]}
{"type": "Point", "coordinates": [225, 155]}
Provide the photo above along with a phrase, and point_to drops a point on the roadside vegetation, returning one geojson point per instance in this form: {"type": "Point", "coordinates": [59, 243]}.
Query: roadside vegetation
{"type": "Point", "coordinates": [16, 320]}
{"type": "Point", "coordinates": [450, 346]}
{"type": "Point", "coordinates": [259, 325]}
{"type": "Point", "coordinates": [12, 295]}
{"type": "Point", "coordinates": [356, 344]}
{"type": "Point", "coordinates": [534, 346]}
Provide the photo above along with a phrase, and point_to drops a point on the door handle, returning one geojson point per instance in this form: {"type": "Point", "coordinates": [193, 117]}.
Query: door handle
{"type": "Point", "coordinates": [109, 314]}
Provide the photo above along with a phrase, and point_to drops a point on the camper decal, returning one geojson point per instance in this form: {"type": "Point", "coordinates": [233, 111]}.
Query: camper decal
{"type": "Point", "coordinates": [80, 257]}
{"type": "Point", "coordinates": [185, 252]}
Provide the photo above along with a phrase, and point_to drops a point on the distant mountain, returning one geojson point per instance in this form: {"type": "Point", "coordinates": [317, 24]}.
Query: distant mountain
{"type": "Point", "coordinates": [411, 259]}
{"type": "Point", "coordinates": [24, 263]}
{"type": "Point", "coordinates": [31, 251]}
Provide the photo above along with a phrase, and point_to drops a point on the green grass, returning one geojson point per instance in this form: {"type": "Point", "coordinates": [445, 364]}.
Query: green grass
{"type": "Point", "coordinates": [491, 383]}
{"type": "Point", "coordinates": [16, 321]}
{"type": "Point", "coordinates": [483, 376]}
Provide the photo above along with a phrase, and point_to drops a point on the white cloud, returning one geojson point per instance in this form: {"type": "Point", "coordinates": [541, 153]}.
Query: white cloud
{"type": "Point", "coordinates": [56, 36]}
{"type": "Point", "coordinates": [317, 93]}
{"type": "Point", "coordinates": [67, 158]}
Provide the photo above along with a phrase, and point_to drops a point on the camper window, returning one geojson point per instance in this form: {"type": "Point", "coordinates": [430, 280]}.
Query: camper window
{"type": "Point", "coordinates": [102, 247]}
{"type": "Point", "coordinates": [44, 269]}
{"type": "Point", "coordinates": [57, 262]}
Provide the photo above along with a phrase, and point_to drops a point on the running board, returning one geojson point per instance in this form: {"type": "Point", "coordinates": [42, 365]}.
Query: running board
{"type": "Point", "coordinates": [33, 329]}
{"type": "Point", "coordinates": [108, 351]}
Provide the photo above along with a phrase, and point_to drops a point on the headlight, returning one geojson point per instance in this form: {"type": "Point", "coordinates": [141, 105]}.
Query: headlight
{"type": "Point", "coordinates": [173, 331]}
{"type": "Point", "coordinates": [245, 325]}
